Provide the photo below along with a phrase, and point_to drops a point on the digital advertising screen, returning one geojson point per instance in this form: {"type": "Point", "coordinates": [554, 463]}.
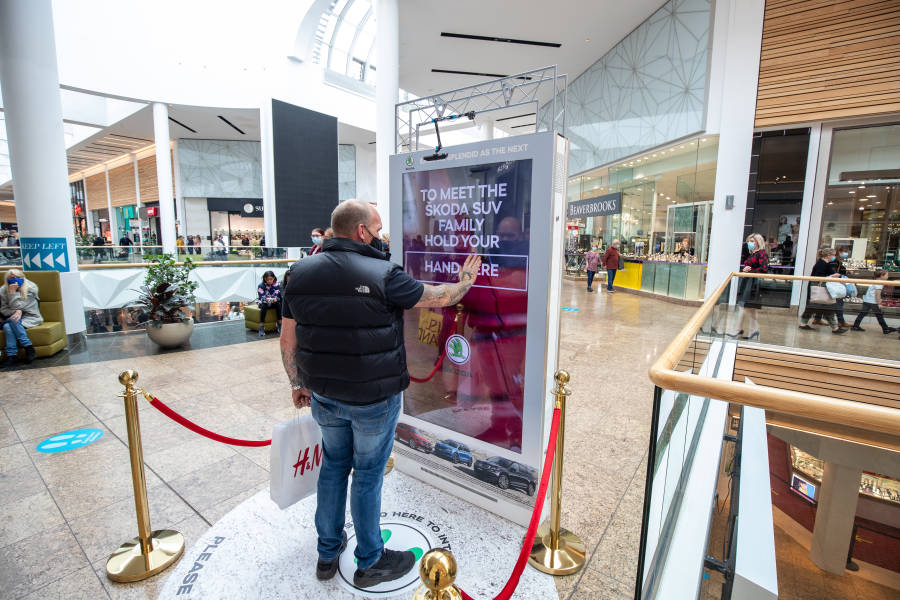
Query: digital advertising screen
{"type": "Point", "coordinates": [803, 488]}
{"type": "Point", "coordinates": [474, 414]}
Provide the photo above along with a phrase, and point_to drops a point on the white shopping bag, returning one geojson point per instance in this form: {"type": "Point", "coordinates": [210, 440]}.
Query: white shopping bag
{"type": "Point", "coordinates": [295, 461]}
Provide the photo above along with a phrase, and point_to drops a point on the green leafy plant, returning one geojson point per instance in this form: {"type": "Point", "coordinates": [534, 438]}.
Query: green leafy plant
{"type": "Point", "coordinates": [167, 295]}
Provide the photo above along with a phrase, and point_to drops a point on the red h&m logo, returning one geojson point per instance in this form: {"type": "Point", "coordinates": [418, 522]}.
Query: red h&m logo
{"type": "Point", "coordinates": [304, 463]}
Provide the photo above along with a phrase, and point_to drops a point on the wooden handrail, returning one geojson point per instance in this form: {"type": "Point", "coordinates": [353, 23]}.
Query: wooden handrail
{"type": "Point", "coordinates": [859, 415]}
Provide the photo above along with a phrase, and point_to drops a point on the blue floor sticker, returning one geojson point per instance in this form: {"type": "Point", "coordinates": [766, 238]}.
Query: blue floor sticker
{"type": "Point", "coordinates": [572, 309]}
{"type": "Point", "coordinates": [69, 440]}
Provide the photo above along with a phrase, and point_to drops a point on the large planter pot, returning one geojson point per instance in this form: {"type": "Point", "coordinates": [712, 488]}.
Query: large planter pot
{"type": "Point", "coordinates": [171, 335]}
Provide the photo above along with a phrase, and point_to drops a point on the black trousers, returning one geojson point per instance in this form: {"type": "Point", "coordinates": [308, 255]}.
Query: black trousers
{"type": "Point", "coordinates": [264, 308]}
{"type": "Point", "coordinates": [869, 307]}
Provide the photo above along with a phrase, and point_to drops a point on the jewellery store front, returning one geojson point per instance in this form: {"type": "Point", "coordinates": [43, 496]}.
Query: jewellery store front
{"type": "Point", "coordinates": [236, 218]}
{"type": "Point", "coordinates": [663, 226]}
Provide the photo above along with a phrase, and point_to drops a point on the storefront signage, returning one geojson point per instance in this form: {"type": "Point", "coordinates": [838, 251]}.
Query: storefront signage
{"type": "Point", "coordinates": [473, 426]}
{"type": "Point", "coordinates": [599, 206]}
{"type": "Point", "coordinates": [45, 254]}
{"type": "Point", "coordinates": [248, 207]}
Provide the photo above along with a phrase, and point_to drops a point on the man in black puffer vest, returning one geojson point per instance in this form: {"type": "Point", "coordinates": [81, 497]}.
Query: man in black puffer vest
{"type": "Point", "coordinates": [342, 348]}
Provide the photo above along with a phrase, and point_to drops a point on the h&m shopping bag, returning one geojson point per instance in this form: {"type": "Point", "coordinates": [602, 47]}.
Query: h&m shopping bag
{"type": "Point", "coordinates": [295, 461]}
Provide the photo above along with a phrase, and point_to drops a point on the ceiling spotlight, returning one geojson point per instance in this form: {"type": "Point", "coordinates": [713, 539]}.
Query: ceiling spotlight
{"type": "Point", "coordinates": [587, 39]}
{"type": "Point", "coordinates": [830, 203]}
{"type": "Point", "coordinates": [862, 208]}
{"type": "Point", "coordinates": [871, 196]}
{"type": "Point", "coordinates": [852, 191]}
{"type": "Point", "coordinates": [862, 187]}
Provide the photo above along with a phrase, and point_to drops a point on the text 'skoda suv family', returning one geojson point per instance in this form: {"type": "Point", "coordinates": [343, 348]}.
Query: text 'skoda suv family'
{"type": "Point", "coordinates": [506, 474]}
{"type": "Point", "coordinates": [412, 437]}
{"type": "Point", "coordinates": [455, 452]}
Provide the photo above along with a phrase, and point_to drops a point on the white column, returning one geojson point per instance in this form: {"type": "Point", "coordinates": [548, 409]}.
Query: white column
{"type": "Point", "coordinates": [387, 85]}
{"type": "Point", "coordinates": [834, 517]}
{"type": "Point", "coordinates": [742, 31]}
{"type": "Point", "coordinates": [113, 220]}
{"type": "Point", "coordinates": [88, 217]}
{"type": "Point", "coordinates": [267, 164]}
{"type": "Point", "coordinates": [487, 129]}
{"type": "Point", "coordinates": [164, 176]}
{"type": "Point", "coordinates": [800, 244]}
{"type": "Point", "coordinates": [181, 227]}
{"type": "Point", "coordinates": [137, 199]}
{"type": "Point", "coordinates": [37, 149]}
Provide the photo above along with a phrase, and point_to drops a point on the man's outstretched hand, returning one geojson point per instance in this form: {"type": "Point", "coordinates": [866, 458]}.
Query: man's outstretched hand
{"type": "Point", "coordinates": [469, 271]}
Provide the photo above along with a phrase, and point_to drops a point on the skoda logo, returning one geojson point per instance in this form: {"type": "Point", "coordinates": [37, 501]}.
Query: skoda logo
{"type": "Point", "coordinates": [399, 536]}
{"type": "Point", "coordinates": [457, 348]}
{"type": "Point", "coordinates": [248, 208]}
{"type": "Point", "coordinates": [409, 161]}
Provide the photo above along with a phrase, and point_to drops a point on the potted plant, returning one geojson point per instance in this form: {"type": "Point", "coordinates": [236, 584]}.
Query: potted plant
{"type": "Point", "coordinates": [166, 300]}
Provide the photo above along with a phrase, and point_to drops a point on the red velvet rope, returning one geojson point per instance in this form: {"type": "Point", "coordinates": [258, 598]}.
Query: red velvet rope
{"type": "Point", "coordinates": [513, 581]}
{"type": "Point", "coordinates": [158, 405]}
{"type": "Point", "coordinates": [437, 366]}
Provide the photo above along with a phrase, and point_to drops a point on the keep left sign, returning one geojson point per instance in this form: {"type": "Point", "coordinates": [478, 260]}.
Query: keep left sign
{"type": "Point", "coordinates": [45, 254]}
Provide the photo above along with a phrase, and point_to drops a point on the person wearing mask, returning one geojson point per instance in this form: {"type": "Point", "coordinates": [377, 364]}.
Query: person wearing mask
{"type": "Point", "coordinates": [611, 262]}
{"type": "Point", "coordinates": [837, 267]}
{"type": "Point", "coordinates": [19, 311]}
{"type": "Point", "coordinates": [822, 268]}
{"type": "Point", "coordinates": [99, 253]}
{"type": "Point", "coordinates": [269, 298]}
{"type": "Point", "coordinates": [590, 260]}
{"type": "Point", "coordinates": [343, 351]}
{"type": "Point", "coordinates": [757, 261]}
{"type": "Point", "coordinates": [318, 237]}
{"type": "Point", "coordinates": [872, 303]}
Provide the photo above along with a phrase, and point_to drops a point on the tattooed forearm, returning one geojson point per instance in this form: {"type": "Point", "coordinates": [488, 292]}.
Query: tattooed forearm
{"type": "Point", "coordinates": [290, 366]}
{"type": "Point", "coordinates": [446, 295]}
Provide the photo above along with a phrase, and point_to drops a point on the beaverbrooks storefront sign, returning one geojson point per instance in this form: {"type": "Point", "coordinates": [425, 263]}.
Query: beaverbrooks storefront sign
{"type": "Point", "coordinates": [599, 206]}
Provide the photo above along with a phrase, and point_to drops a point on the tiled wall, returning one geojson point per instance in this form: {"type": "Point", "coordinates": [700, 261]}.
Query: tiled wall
{"type": "Point", "coordinates": [220, 169]}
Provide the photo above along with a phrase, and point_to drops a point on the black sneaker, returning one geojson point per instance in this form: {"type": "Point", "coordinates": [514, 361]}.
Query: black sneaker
{"type": "Point", "coordinates": [8, 361]}
{"type": "Point", "coordinates": [838, 331]}
{"type": "Point", "coordinates": [29, 354]}
{"type": "Point", "coordinates": [325, 569]}
{"type": "Point", "coordinates": [888, 330]}
{"type": "Point", "coordinates": [857, 328]}
{"type": "Point", "coordinates": [392, 565]}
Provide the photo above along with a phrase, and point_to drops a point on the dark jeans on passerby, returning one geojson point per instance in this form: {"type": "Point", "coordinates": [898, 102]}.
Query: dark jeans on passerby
{"type": "Point", "coordinates": [590, 278]}
{"type": "Point", "coordinates": [264, 308]}
{"type": "Point", "coordinates": [610, 276]}
{"type": "Point", "coordinates": [361, 438]}
{"type": "Point", "coordinates": [866, 309]}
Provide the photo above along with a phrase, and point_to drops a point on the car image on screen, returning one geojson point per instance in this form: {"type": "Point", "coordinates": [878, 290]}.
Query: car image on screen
{"type": "Point", "coordinates": [412, 437]}
{"type": "Point", "coordinates": [506, 474]}
{"type": "Point", "coordinates": [455, 452]}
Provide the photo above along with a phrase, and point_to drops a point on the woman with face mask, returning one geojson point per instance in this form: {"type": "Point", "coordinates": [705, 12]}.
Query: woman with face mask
{"type": "Point", "coordinates": [824, 267]}
{"type": "Point", "coordinates": [590, 260]}
{"type": "Point", "coordinates": [757, 261]}
{"type": "Point", "coordinates": [19, 310]}
{"type": "Point", "coordinates": [317, 236]}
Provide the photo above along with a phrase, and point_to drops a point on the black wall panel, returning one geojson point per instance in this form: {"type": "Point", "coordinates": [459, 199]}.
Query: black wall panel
{"type": "Point", "coordinates": [305, 146]}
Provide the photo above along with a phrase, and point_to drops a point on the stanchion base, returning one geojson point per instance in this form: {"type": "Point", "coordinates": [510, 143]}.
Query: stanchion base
{"type": "Point", "coordinates": [451, 593]}
{"type": "Point", "coordinates": [565, 560]}
{"type": "Point", "coordinates": [128, 564]}
{"type": "Point", "coordinates": [390, 465]}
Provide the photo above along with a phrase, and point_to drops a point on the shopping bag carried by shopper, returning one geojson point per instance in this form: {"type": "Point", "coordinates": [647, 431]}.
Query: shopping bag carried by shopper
{"type": "Point", "coordinates": [819, 295]}
{"type": "Point", "coordinates": [295, 461]}
{"type": "Point", "coordinates": [836, 290]}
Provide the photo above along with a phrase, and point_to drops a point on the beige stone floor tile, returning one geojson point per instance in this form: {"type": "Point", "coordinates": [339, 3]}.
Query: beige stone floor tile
{"type": "Point", "coordinates": [19, 482]}
{"type": "Point", "coordinates": [182, 458]}
{"type": "Point", "coordinates": [595, 587]}
{"type": "Point", "coordinates": [213, 484]}
{"type": "Point", "coordinates": [259, 455]}
{"type": "Point", "coordinates": [8, 435]}
{"type": "Point", "coordinates": [221, 509]}
{"type": "Point", "coordinates": [39, 560]}
{"type": "Point", "coordinates": [102, 531]}
{"type": "Point", "coordinates": [46, 417]}
{"type": "Point", "coordinates": [83, 584]}
{"type": "Point", "coordinates": [13, 458]}
{"type": "Point", "coordinates": [89, 478]}
{"type": "Point", "coordinates": [27, 516]}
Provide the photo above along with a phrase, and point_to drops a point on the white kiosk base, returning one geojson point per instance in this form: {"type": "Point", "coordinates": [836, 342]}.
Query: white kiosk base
{"type": "Point", "coordinates": [259, 551]}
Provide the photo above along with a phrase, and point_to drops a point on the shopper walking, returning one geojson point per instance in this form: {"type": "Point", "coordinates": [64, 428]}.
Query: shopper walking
{"type": "Point", "coordinates": [824, 304]}
{"type": "Point", "coordinates": [872, 303]}
{"type": "Point", "coordinates": [343, 350]}
{"type": "Point", "coordinates": [99, 242]}
{"type": "Point", "coordinates": [611, 262]}
{"type": "Point", "coordinates": [20, 311]}
{"type": "Point", "coordinates": [591, 259]}
{"type": "Point", "coordinates": [318, 237]}
{"type": "Point", "coordinates": [268, 298]}
{"type": "Point", "coordinates": [757, 261]}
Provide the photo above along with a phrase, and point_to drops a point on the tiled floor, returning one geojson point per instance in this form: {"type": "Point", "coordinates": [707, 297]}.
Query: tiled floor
{"type": "Point", "coordinates": [62, 514]}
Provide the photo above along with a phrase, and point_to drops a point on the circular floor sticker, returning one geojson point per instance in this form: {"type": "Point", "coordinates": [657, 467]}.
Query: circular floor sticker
{"type": "Point", "coordinates": [69, 440]}
{"type": "Point", "coordinates": [399, 531]}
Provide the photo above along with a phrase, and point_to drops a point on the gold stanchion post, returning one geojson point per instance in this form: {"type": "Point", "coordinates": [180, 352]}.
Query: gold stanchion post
{"type": "Point", "coordinates": [557, 551]}
{"type": "Point", "coordinates": [437, 570]}
{"type": "Point", "coordinates": [152, 551]}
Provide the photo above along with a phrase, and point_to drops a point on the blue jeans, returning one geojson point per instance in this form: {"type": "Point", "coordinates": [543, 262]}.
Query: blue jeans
{"type": "Point", "coordinates": [590, 278]}
{"type": "Point", "coordinates": [14, 332]}
{"type": "Point", "coordinates": [361, 438]}
{"type": "Point", "coordinates": [610, 277]}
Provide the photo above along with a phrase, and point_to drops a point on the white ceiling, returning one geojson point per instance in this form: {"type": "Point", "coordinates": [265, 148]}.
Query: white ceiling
{"type": "Point", "coordinates": [568, 22]}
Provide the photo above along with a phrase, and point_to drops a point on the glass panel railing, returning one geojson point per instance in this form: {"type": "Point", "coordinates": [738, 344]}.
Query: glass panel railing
{"type": "Point", "coordinates": [10, 256]}
{"type": "Point", "coordinates": [103, 255]}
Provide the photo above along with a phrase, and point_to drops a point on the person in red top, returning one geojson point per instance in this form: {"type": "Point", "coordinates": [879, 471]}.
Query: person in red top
{"type": "Point", "coordinates": [317, 236]}
{"type": "Point", "coordinates": [611, 262]}
{"type": "Point", "coordinates": [757, 261]}
{"type": "Point", "coordinates": [590, 260]}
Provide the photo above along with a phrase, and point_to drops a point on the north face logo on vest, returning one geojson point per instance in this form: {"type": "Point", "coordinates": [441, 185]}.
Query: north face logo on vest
{"type": "Point", "coordinates": [363, 289]}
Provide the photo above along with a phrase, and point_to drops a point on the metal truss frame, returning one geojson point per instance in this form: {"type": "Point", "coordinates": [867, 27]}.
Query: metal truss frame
{"type": "Point", "coordinates": [523, 89]}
